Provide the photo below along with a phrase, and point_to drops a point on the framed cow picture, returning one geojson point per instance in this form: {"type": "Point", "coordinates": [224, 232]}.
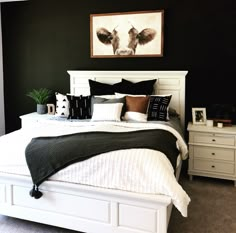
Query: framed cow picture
{"type": "Point", "coordinates": [128, 34]}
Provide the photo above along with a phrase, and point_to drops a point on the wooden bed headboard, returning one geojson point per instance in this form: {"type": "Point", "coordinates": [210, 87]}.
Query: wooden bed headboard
{"type": "Point", "coordinates": [168, 82]}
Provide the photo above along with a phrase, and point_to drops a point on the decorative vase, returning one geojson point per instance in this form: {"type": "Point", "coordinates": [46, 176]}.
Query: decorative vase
{"type": "Point", "coordinates": [41, 108]}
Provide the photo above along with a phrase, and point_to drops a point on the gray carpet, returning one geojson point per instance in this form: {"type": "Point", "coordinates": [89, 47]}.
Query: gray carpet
{"type": "Point", "coordinates": [212, 210]}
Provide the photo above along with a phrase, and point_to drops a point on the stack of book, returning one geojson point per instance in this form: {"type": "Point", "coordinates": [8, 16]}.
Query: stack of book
{"type": "Point", "coordinates": [226, 122]}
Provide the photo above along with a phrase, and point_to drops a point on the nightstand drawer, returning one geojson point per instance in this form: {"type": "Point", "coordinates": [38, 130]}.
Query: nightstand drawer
{"type": "Point", "coordinates": [213, 166]}
{"type": "Point", "coordinates": [214, 153]}
{"type": "Point", "coordinates": [216, 140]}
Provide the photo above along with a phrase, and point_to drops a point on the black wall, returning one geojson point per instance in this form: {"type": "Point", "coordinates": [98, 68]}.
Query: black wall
{"type": "Point", "coordinates": [42, 39]}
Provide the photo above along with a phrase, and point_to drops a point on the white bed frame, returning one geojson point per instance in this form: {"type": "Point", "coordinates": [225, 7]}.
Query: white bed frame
{"type": "Point", "coordinates": [91, 209]}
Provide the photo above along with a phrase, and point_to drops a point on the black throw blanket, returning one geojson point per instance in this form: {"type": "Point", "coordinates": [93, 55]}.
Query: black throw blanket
{"type": "Point", "coordinates": [47, 155]}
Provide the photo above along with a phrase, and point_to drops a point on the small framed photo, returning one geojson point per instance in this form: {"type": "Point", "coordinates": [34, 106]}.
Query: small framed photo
{"type": "Point", "coordinates": [199, 116]}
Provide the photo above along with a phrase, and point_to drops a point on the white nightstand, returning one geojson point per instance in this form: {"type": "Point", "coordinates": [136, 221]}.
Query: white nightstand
{"type": "Point", "coordinates": [31, 119]}
{"type": "Point", "coordinates": [212, 152]}
{"type": "Point", "coordinates": [34, 119]}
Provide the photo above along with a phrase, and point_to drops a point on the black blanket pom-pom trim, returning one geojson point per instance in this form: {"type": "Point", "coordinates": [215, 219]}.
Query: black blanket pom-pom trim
{"type": "Point", "coordinates": [34, 192]}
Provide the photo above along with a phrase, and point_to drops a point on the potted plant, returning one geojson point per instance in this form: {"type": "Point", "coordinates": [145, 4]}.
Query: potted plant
{"type": "Point", "coordinates": [41, 97]}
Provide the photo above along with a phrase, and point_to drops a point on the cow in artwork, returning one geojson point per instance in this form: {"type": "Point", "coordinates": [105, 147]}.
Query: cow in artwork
{"type": "Point", "coordinates": [125, 42]}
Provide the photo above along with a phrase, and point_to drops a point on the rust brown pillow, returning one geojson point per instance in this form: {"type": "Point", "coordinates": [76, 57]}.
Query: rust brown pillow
{"type": "Point", "coordinates": [137, 104]}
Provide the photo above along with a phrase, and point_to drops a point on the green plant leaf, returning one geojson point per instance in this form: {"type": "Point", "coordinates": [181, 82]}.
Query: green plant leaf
{"type": "Point", "coordinates": [41, 95]}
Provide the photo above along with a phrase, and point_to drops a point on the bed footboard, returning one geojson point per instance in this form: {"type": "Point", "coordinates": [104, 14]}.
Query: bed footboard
{"type": "Point", "coordinates": [84, 208]}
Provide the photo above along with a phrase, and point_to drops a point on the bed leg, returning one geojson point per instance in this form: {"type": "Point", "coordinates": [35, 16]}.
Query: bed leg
{"type": "Point", "coordinates": [191, 177]}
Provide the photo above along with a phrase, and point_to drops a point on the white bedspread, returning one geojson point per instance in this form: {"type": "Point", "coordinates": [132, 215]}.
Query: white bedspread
{"type": "Point", "coordinates": [136, 170]}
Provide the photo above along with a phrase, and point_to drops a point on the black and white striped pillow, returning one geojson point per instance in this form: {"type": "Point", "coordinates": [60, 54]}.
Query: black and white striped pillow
{"type": "Point", "coordinates": [158, 107]}
{"type": "Point", "coordinates": [79, 107]}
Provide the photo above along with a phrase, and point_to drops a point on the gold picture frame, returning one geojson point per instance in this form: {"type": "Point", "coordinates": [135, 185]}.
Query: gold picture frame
{"type": "Point", "coordinates": [142, 32]}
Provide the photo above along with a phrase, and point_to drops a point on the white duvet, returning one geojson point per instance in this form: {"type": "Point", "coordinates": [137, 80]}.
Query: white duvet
{"type": "Point", "coordinates": [136, 170]}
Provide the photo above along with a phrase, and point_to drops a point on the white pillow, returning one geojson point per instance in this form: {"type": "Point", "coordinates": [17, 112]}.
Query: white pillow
{"type": "Point", "coordinates": [106, 96]}
{"type": "Point", "coordinates": [107, 112]}
{"type": "Point", "coordinates": [62, 105]}
{"type": "Point", "coordinates": [135, 116]}
{"type": "Point", "coordinates": [121, 95]}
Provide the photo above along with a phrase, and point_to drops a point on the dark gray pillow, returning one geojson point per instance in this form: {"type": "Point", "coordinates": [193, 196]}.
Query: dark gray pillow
{"type": "Point", "coordinates": [172, 112]}
{"type": "Point", "coordinates": [98, 100]}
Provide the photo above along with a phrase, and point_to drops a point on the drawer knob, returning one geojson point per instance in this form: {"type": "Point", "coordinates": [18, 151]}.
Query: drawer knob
{"type": "Point", "coordinates": [213, 140]}
{"type": "Point", "coordinates": [213, 166]}
{"type": "Point", "coordinates": [212, 153]}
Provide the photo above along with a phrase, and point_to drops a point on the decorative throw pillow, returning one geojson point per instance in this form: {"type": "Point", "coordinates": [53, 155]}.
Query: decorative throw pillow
{"type": "Point", "coordinates": [79, 107]}
{"type": "Point", "coordinates": [98, 88]}
{"type": "Point", "coordinates": [139, 88]}
{"type": "Point", "coordinates": [158, 107]}
{"type": "Point", "coordinates": [106, 96]}
{"type": "Point", "coordinates": [98, 100]}
{"type": "Point", "coordinates": [137, 104]}
{"type": "Point", "coordinates": [120, 95]}
{"type": "Point", "coordinates": [107, 112]}
{"type": "Point", "coordinates": [135, 116]}
{"type": "Point", "coordinates": [62, 105]}
{"type": "Point", "coordinates": [136, 108]}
